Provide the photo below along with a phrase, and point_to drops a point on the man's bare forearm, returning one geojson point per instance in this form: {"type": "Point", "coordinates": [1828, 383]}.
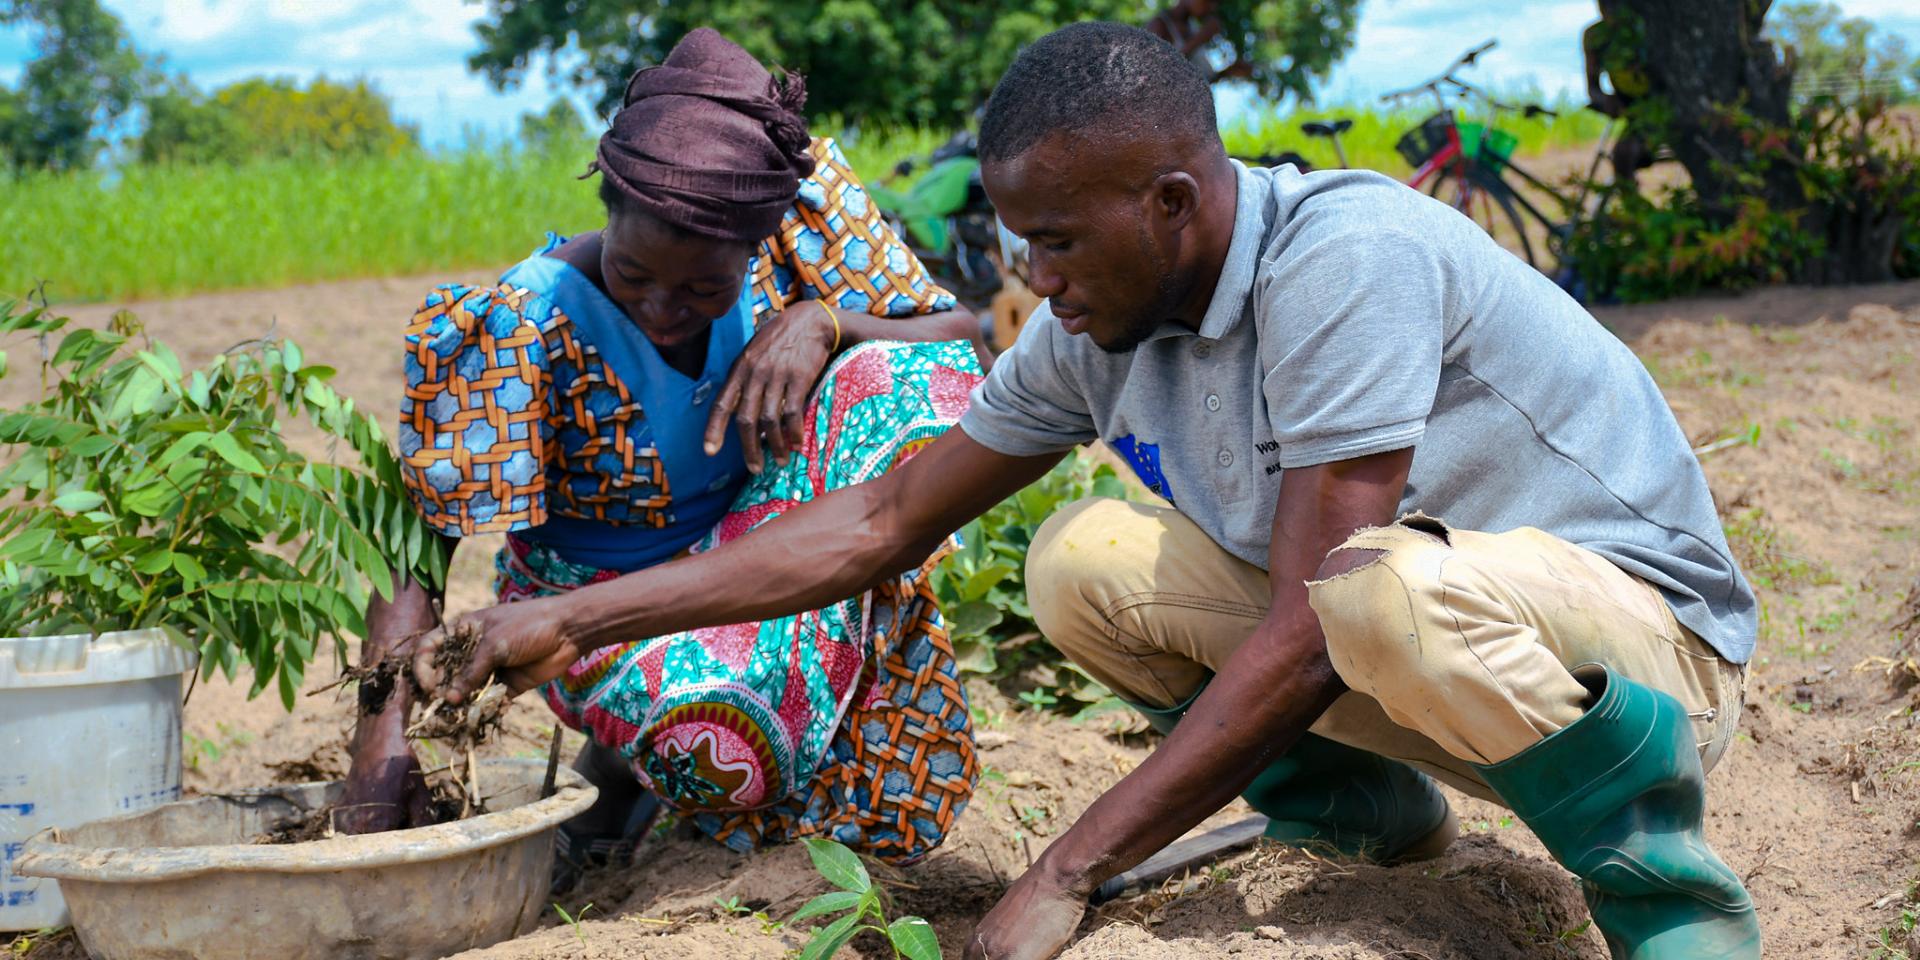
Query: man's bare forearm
{"type": "Point", "coordinates": [815, 554]}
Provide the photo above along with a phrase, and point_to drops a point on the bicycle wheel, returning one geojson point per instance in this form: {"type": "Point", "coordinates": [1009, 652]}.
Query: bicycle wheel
{"type": "Point", "coordinates": [1488, 201]}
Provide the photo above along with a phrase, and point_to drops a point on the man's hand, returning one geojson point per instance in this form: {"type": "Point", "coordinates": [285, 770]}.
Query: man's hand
{"type": "Point", "coordinates": [521, 645]}
{"type": "Point", "coordinates": [1033, 920]}
{"type": "Point", "coordinates": [767, 393]}
{"type": "Point", "coordinates": [1268, 693]}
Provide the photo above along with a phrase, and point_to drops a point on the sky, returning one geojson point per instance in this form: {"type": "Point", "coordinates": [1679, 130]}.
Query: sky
{"type": "Point", "coordinates": [415, 50]}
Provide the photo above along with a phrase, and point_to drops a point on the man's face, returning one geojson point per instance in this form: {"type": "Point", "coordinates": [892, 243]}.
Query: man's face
{"type": "Point", "coordinates": [1093, 248]}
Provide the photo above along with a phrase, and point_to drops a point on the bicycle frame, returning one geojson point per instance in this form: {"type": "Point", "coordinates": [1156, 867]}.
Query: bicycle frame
{"type": "Point", "coordinates": [1439, 162]}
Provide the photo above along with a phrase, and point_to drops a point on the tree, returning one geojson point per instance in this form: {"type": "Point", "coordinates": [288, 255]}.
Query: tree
{"type": "Point", "coordinates": [923, 62]}
{"type": "Point", "coordinates": [1824, 193]}
{"type": "Point", "coordinates": [1712, 67]}
{"type": "Point", "coordinates": [85, 75]}
{"type": "Point", "coordinates": [1282, 48]}
{"type": "Point", "coordinates": [261, 117]}
{"type": "Point", "coordinates": [1844, 56]}
{"type": "Point", "coordinates": [558, 127]}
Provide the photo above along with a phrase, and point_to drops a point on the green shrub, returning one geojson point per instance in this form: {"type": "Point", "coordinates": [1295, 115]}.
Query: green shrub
{"type": "Point", "coordinates": [1858, 171]}
{"type": "Point", "coordinates": [141, 495]}
{"type": "Point", "coordinates": [982, 589]}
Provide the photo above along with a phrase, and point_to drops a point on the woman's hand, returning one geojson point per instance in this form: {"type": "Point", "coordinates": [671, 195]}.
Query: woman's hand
{"type": "Point", "coordinates": [767, 392]}
{"type": "Point", "coordinates": [521, 645]}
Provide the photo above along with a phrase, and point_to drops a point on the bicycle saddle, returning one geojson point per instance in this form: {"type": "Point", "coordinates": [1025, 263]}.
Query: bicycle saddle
{"type": "Point", "coordinates": [1323, 128]}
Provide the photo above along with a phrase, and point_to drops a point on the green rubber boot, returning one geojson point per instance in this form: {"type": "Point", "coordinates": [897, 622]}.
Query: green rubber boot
{"type": "Point", "coordinates": [1324, 795]}
{"type": "Point", "coordinates": [1617, 798]}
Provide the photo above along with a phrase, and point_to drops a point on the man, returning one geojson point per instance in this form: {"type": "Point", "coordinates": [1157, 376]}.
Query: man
{"type": "Point", "coordinates": [1294, 362]}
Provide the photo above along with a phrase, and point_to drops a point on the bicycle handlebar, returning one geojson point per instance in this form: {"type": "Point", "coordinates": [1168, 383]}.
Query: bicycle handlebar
{"type": "Point", "coordinates": [1445, 76]}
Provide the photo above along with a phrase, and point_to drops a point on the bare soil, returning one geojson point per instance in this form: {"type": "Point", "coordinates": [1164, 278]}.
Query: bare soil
{"type": "Point", "coordinates": [1815, 804]}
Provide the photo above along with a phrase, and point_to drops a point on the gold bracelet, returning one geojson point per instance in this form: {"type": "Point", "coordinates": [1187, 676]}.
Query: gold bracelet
{"type": "Point", "coordinates": [835, 315]}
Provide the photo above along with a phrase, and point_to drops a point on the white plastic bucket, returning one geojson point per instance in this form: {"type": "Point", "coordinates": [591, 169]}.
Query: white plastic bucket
{"type": "Point", "coordinates": [89, 728]}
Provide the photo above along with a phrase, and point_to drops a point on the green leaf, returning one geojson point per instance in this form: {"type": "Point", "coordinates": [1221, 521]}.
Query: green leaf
{"type": "Point", "coordinates": [200, 389]}
{"type": "Point", "coordinates": [984, 579]}
{"type": "Point", "coordinates": [3, 363]}
{"type": "Point", "coordinates": [914, 937]}
{"type": "Point", "coordinates": [828, 940]}
{"type": "Point", "coordinates": [142, 390]}
{"type": "Point", "coordinates": [152, 500]}
{"type": "Point", "coordinates": [188, 443]}
{"type": "Point", "coordinates": [973, 618]}
{"type": "Point", "coordinates": [78, 501]}
{"type": "Point", "coordinates": [91, 446]}
{"type": "Point", "coordinates": [162, 362]}
{"type": "Point", "coordinates": [839, 865]}
{"type": "Point", "coordinates": [833, 901]}
{"type": "Point", "coordinates": [228, 447]}
{"type": "Point", "coordinates": [189, 569]}
{"type": "Point", "coordinates": [975, 655]}
{"type": "Point", "coordinates": [290, 356]}
{"type": "Point", "coordinates": [154, 561]}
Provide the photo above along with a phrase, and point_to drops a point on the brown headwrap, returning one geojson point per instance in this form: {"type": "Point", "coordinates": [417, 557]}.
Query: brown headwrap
{"type": "Point", "coordinates": [708, 141]}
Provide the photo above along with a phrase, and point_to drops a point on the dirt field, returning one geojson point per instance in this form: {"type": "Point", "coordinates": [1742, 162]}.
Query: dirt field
{"type": "Point", "coordinates": [1815, 804]}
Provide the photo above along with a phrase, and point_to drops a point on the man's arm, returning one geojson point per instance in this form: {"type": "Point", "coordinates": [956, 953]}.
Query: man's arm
{"type": "Point", "coordinates": [1274, 687]}
{"type": "Point", "coordinates": [818, 553]}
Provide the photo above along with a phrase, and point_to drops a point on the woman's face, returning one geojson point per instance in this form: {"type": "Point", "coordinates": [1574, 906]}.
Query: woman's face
{"type": "Point", "coordinates": [672, 284]}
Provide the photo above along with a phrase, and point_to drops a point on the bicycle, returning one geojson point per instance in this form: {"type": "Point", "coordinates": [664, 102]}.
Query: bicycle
{"type": "Point", "coordinates": [1468, 164]}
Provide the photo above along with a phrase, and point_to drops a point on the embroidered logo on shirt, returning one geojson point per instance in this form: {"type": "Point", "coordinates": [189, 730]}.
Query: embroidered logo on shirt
{"type": "Point", "coordinates": [1144, 458]}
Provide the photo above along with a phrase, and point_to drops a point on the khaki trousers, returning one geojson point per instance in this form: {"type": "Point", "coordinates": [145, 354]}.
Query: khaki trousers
{"type": "Point", "coordinates": [1455, 645]}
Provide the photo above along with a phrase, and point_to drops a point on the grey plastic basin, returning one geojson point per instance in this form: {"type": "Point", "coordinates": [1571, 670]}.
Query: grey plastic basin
{"type": "Point", "coordinates": [183, 881]}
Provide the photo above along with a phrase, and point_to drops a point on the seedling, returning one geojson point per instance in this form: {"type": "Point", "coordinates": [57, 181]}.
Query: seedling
{"type": "Point", "coordinates": [141, 494]}
{"type": "Point", "coordinates": [573, 920]}
{"type": "Point", "coordinates": [861, 906]}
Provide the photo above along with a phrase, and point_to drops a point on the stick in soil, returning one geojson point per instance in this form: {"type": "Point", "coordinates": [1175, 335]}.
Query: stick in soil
{"type": "Point", "coordinates": [553, 765]}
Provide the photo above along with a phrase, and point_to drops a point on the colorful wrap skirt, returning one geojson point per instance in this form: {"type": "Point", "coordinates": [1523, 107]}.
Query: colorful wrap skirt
{"type": "Point", "coordinates": [846, 722]}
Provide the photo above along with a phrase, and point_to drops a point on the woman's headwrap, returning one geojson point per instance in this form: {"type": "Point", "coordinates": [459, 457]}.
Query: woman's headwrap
{"type": "Point", "coordinates": [708, 141]}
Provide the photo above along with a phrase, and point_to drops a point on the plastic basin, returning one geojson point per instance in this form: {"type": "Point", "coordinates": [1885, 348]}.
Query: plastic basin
{"type": "Point", "coordinates": [185, 880]}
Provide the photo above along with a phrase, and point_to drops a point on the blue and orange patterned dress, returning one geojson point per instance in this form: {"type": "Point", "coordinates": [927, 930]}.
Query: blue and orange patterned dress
{"type": "Point", "coordinates": [534, 408]}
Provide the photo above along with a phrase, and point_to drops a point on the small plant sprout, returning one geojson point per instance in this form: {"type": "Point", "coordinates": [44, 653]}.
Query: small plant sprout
{"type": "Point", "coordinates": [573, 920]}
{"type": "Point", "coordinates": [861, 906]}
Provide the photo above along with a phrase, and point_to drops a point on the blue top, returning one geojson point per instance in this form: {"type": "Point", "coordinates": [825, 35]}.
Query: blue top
{"type": "Point", "coordinates": [535, 406]}
{"type": "Point", "coordinates": [547, 370]}
{"type": "Point", "coordinates": [675, 422]}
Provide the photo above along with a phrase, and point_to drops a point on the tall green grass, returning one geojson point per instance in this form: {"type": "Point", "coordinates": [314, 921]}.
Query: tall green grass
{"type": "Point", "coordinates": [154, 231]}
{"type": "Point", "coordinates": [164, 230]}
{"type": "Point", "coordinates": [1376, 128]}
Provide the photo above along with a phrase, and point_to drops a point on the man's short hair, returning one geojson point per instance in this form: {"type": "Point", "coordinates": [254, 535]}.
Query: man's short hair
{"type": "Point", "coordinates": [1094, 74]}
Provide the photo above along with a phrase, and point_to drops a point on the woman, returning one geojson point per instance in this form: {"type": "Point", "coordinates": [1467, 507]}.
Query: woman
{"type": "Point", "coordinates": [582, 406]}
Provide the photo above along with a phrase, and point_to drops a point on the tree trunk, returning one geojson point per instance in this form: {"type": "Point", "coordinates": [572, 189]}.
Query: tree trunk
{"type": "Point", "coordinates": [1707, 58]}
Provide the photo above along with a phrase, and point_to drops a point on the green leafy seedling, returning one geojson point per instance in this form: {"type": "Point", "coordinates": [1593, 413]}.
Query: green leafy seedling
{"type": "Point", "coordinates": [136, 494]}
{"type": "Point", "coordinates": [860, 905]}
{"type": "Point", "coordinates": [573, 920]}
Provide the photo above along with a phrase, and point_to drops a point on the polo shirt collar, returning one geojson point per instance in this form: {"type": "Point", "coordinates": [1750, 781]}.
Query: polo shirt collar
{"type": "Point", "coordinates": [1235, 285]}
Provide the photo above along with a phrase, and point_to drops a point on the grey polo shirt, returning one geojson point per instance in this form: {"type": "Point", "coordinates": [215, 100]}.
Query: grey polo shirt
{"type": "Point", "coordinates": [1356, 316]}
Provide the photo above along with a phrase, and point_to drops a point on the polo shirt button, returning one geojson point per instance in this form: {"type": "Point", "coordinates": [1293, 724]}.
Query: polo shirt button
{"type": "Point", "coordinates": [702, 393]}
{"type": "Point", "coordinates": [1213, 402]}
{"type": "Point", "coordinates": [1226, 458]}
{"type": "Point", "coordinates": [1202, 348]}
